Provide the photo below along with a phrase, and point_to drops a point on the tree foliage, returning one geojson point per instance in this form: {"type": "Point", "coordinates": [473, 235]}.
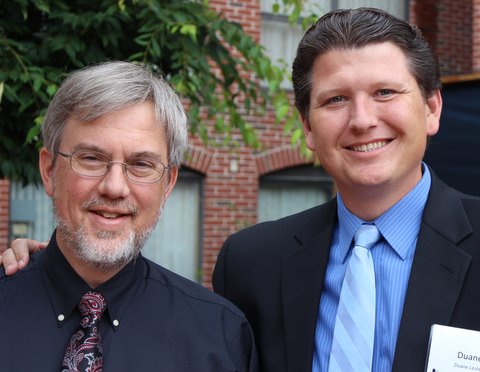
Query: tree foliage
{"type": "Point", "coordinates": [187, 42]}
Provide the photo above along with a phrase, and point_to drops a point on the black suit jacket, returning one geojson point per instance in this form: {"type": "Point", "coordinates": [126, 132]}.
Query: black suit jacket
{"type": "Point", "coordinates": [275, 271]}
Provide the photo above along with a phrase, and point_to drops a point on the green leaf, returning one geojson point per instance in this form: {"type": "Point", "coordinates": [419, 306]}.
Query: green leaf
{"type": "Point", "coordinates": [190, 30]}
{"type": "Point", "coordinates": [51, 89]}
{"type": "Point", "coordinates": [121, 5]}
{"type": "Point", "coordinates": [281, 112]}
{"type": "Point", "coordinates": [43, 6]}
{"type": "Point", "coordinates": [37, 83]}
{"type": "Point", "coordinates": [297, 134]}
{"type": "Point", "coordinates": [34, 132]}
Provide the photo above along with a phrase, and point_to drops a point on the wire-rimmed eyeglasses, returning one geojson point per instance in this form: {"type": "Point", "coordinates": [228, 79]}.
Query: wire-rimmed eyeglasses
{"type": "Point", "coordinates": [140, 169]}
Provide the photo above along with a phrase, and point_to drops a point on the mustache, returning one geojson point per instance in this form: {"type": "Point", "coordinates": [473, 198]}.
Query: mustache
{"type": "Point", "coordinates": [118, 204]}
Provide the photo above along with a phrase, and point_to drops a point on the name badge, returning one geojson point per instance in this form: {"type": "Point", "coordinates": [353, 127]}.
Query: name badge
{"type": "Point", "coordinates": [453, 350]}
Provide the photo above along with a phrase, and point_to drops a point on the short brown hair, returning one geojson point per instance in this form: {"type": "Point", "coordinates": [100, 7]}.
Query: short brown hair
{"type": "Point", "coordinates": [356, 28]}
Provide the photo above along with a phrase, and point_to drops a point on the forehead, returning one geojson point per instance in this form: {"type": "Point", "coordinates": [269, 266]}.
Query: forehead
{"type": "Point", "coordinates": [374, 61]}
{"type": "Point", "coordinates": [373, 52]}
{"type": "Point", "coordinates": [131, 129]}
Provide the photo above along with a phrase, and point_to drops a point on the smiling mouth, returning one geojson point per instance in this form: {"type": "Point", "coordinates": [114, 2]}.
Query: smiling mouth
{"type": "Point", "coordinates": [110, 209]}
{"type": "Point", "coordinates": [109, 215]}
{"type": "Point", "coordinates": [369, 146]}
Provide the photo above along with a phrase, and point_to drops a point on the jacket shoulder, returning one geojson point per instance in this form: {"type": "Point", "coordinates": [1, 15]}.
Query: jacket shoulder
{"type": "Point", "coordinates": [290, 224]}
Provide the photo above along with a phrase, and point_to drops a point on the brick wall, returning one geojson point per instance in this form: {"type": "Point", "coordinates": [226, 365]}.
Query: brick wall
{"type": "Point", "coordinates": [232, 173]}
{"type": "Point", "coordinates": [4, 212]}
{"type": "Point", "coordinates": [448, 27]}
{"type": "Point", "coordinates": [245, 12]}
{"type": "Point", "coordinates": [231, 183]}
{"type": "Point", "coordinates": [476, 36]}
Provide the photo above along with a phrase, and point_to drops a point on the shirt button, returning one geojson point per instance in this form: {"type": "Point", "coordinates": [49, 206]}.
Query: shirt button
{"type": "Point", "coordinates": [116, 323]}
{"type": "Point", "coordinates": [61, 317]}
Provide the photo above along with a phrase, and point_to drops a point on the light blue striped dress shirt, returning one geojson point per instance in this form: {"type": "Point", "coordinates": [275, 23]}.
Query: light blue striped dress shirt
{"type": "Point", "coordinates": [392, 258]}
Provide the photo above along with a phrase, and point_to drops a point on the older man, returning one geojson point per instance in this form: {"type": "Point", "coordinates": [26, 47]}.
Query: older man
{"type": "Point", "coordinates": [114, 137]}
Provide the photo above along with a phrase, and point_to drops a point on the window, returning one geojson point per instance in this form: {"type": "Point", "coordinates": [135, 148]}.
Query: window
{"type": "Point", "coordinates": [292, 190]}
{"type": "Point", "coordinates": [280, 39]}
{"type": "Point", "coordinates": [175, 242]}
{"type": "Point", "coordinates": [31, 213]}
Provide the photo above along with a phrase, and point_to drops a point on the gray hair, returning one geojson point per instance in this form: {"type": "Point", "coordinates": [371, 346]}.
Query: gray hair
{"type": "Point", "coordinates": [111, 86]}
{"type": "Point", "coordinates": [357, 28]}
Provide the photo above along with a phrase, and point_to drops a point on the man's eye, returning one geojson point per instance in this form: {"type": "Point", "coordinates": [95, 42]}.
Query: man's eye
{"type": "Point", "coordinates": [385, 92]}
{"type": "Point", "coordinates": [90, 157]}
{"type": "Point", "coordinates": [142, 164]}
{"type": "Point", "coordinates": [336, 99]}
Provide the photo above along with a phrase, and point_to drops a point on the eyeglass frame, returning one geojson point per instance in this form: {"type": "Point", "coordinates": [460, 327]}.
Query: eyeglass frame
{"type": "Point", "coordinates": [109, 166]}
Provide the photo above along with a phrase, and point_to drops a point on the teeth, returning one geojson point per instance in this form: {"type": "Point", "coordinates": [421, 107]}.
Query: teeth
{"type": "Point", "coordinates": [369, 147]}
{"type": "Point", "coordinates": [110, 215]}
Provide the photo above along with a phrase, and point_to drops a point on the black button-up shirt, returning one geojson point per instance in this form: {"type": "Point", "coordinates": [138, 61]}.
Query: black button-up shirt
{"type": "Point", "coordinates": [155, 320]}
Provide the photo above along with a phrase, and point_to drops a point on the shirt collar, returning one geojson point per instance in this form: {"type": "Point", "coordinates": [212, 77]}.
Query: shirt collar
{"type": "Point", "coordinates": [399, 225]}
{"type": "Point", "coordinates": [65, 287]}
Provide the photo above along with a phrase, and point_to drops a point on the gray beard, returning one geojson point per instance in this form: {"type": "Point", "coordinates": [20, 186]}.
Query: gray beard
{"type": "Point", "coordinates": [105, 251]}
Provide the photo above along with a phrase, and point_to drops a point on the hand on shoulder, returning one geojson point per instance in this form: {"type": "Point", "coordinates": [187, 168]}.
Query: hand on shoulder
{"type": "Point", "coordinates": [17, 256]}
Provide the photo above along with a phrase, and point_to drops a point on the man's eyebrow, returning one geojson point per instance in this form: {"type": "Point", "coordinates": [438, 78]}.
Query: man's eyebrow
{"type": "Point", "coordinates": [323, 94]}
{"type": "Point", "coordinates": [89, 147]}
{"type": "Point", "coordinates": [140, 154]}
{"type": "Point", "coordinates": [146, 154]}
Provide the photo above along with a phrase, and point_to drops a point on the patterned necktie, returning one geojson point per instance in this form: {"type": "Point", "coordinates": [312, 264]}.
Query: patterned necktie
{"type": "Point", "coordinates": [353, 336]}
{"type": "Point", "coordinates": [84, 351]}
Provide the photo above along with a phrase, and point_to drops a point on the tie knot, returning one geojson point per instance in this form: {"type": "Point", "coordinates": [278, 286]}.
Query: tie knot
{"type": "Point", "coordinates": [92, 304]}
{"type": "Point", "coordinates": [366, 236]}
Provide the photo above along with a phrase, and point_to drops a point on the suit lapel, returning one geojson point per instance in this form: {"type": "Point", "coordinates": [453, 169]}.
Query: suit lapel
{"type": "Point", "coordinates": [438, 271]}
{"type": "Point", "coordinates": [302, 282]}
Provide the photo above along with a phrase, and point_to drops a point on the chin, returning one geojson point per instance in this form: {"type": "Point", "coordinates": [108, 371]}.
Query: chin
{"type": "Point", "coordinates": [109, 248]}
{"type": "Point", "coordinates": [104, 248]}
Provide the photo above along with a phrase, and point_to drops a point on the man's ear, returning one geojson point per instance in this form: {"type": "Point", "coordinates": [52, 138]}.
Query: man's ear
{"type": "Point", "coordinates": [307, 131]}
{"type": "Point", "coordinates": [434, 110]}
{"type": "Point", "coordinates": [46, 170]}
{"type": "Point", "coordinates": [172, 180]}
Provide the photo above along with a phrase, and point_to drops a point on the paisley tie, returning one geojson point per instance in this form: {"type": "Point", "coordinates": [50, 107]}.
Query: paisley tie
{"type": "Point", "coordinates": [84, 351]}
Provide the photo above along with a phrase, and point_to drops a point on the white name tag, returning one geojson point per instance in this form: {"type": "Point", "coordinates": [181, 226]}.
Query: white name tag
{"type": "Point", "coordinates": [453, 350]}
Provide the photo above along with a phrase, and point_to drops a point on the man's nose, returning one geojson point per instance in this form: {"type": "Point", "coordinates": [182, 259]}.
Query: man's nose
{"type": "Point", "coordinates": [363, 114]}
{"type": "Point", "coordinates": [115, 183]}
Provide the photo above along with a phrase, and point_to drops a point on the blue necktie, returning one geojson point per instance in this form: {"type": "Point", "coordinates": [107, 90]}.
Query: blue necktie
{"type": "Point", "coordinates": [353, 336]}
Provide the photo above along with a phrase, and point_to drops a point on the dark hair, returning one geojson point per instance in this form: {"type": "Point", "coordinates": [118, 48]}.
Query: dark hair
{"type": "Point", "coordinates": [356, 28]}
